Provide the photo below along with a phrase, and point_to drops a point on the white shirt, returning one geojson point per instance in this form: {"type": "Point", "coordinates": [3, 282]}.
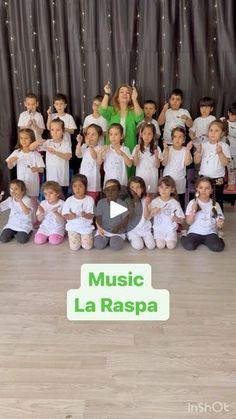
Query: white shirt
{"type": "Point", "coordinates": [176, 168]}
{"type": "Point", "coordinates": [51, 224]}
{"type": "Point", "coordinates": [25, 117]}
{"type": "Point", "coordinates": [23, 164]}
{"type": "Point", "coordinates": [114, 165]}
{"type": "Point", "coordinates": [79, 224]}
{"type": "Point", "coordinates": [200, 128]}
{"type": "Point", "coordinates": [91, 169]}
{"type": "Point", "coordinates": [69, 123]}
{"type": "Point", "coordinates": [18, 220]}
{"type": "Point", "coordinates": [143, 228]}
{"type": "Point", "coordinates": [100, 121]}
{"type": "Point", "coordinates": [163, 220]}
{"type": "Point", "coordinates": [173, 120]}
{"type": "Point", "coordinates": [203, 222]}
{"type": "Point", "coordinates": [57, 168]}
{"type": "Point", "coordinates": [146, 168]}
{"type": "Point", "coordinates": [211, 165]}
{"type": "Point", "coordinates": [232, 137]}
{"type": "Point", "coordinates": [154, 122]}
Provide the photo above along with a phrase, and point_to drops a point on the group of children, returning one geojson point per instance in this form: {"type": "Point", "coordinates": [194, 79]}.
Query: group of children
{"type": "Point", "coordinates": [212, 148]}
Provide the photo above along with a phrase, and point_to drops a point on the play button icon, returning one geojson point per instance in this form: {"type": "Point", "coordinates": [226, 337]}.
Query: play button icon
{"type": "Point", "coordinates": [116, 209]}
{"type": "Point", "coordinates": [119, 211]}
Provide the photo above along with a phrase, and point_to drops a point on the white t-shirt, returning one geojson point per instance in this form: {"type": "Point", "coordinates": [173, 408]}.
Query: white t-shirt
{"type": "Point", "coordinates": [143, 228]}
{"type": "Point", "coordinates": [69, 123]}
{"type": "Point", "coordinates": [162, 222]}
{"type": "Point", "coordinates": [23, 164]}
{"type": "Point", "coordinates": [100, 121]}
{"type": "Point", "coordinates": [211, 165]}
{"type": "Point", "coordinates": [203, 223]}
{"type": "Point", "coordinates": [18, 220]}
{"type": "Point", "coordinates": [232, 137]}
{"type": "Point", "coordinates": [91, 169]}
{"type": "Point", "coordinates": [154, 122]}
{"type": "Point", "coordinates": [79, 224]}
{"type": "Point", "coordinates": [200, 128]}
{"type": "Point", "coordinates": [26, 116]}
{"type": "Point", "coordinates": [114, 165]}
{"type": "Point", "coordinates": [57, 168]}
{"type": "Point", "coordinates": [176, 168]}
{"type": "Point", "coordinates": [146, 168]}
{"type": "Point", "coordinates": [51, 224]}
{"type": "Point", "coordinates": [173, 120]}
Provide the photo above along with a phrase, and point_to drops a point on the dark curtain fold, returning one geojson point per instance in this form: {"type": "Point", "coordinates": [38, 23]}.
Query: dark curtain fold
{"type": "Point", "coordinates": [75, 46]}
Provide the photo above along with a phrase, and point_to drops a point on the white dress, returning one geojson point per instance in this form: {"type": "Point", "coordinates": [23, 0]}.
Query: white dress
{"type": "Point", "coordinates": [176, 168]}
{"type": "Point", "coordinates": [51, 224]}
{"type": "Point", "coordinates": [18, 220]}
{"type": "Point", "coordinates": [173, 120]}
{"type": "Point", "coordinates": [163, 226]}
{"type": "Point", "coordinates": [146, 168]}
{"type": "Point", "coordinates": [79, 224]}
{"type": "Point", "coordinates": [57, 168]}
{"type": "Point", "coordinates": [114, 165]}
{"type": "Point", "coordinates": [23, 165]}
{"type": "Point", "coordinates": [142, 229]}
{"type": "Point", "coordinates": [91, 169]}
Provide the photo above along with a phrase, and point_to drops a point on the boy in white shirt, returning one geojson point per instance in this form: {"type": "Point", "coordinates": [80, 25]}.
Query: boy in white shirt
{"type": "Point", "coordinates": [60, 104]}
{"type": "Point", "coordinates": [172, 115]}
{"type": "Point", "coordinates": [96, 118]}
{"type": "Point", "coordinates": [199, 131]}
{"type": "Point", "coordinates": [31, 118]}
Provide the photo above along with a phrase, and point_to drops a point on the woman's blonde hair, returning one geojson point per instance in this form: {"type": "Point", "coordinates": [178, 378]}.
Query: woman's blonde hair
{"type": "Point", "coordinates": [115, 102]}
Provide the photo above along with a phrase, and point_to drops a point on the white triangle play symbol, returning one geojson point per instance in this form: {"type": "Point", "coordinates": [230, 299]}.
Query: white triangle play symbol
{"type": "Point", "coordinates": [116, 209]}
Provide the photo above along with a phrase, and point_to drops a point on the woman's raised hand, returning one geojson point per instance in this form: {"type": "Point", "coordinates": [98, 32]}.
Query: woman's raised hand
{"type": "Point", "coordinates": [107, 89]}
{"type": "Point", "coordinates": [134, 94]}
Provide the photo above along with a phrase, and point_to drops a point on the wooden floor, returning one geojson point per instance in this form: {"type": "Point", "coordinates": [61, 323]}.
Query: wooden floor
{"type": "Point", "coordinates": [55, 369]}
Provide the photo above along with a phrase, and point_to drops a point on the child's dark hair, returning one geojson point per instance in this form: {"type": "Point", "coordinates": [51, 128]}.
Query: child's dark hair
{"type": "Point", "coordinates": [177, 92]}
{"type": "Point", "coordinates": [178, 129]}
{"type": "Point", "coordinates": [221, 123]}
{"type": "Point", "coordinates": [212, 183]}
{"type": "Point", "coordinates": [120, 128]}
{"type": "Point", "coordinates": [27, 131]}
{"type": "Point", "coordinates": [151, 102]}
{"type": "Point", "coordinates": [207, 101]}
{"type": "Point", "coordinates": [54, 186]}
{"type": "Point", "coordinates": [96, 127]}
{"type": "Point", "coordinates": [170, 182]}
{"type": "Point", "coordinates": [232, 108]}
{"type": "Point", "coordinates": [60, 96]}
{"type": "Point", "coordinates": [114, 181]}
{"type": "Point", "coordinates": [31, 96]}
{"type": "Point", "coordinates": [59, 121]}
{"type": "Point", "coordinates": [98, 97]}
{"type": "Point", "coordinates": [79, 178]}
{"type": "Point", "coordinates": [140, 181]}
{"type": "Point", "coordinates": [152, 143]}
{"type": "Point", "coordinates": [19, 183]}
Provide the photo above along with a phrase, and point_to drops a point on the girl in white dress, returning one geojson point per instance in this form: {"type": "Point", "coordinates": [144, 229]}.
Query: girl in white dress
{"type": "Point", "coordinates": [89, 153]}
{"type": "Point", "coordinates": [147, 158]}
{"type": "Point", "coordinates": [28, 165]}
{"type": "Point", "coordinates": [52, 227]}
{"type": "Point", "coordinates": [141, 235]}
{"type": "Point", "coordinates": [166, 213]}
{"type": "Point", "coordinates": [116, 156]}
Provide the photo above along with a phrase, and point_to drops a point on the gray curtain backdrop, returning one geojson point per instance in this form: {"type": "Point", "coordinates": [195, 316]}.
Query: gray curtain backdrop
{"type": "Point", "coordinates": [75, 46]}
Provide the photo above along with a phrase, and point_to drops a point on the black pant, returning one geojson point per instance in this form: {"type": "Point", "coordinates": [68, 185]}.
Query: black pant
{"type": "Point", "coordinates": [219, 193]}
{"type": "Point", "coordinates": [8, 234]}
{"type": "Point", "coordinates": [181, 197]}
{"type": "Point", "coordinates": [212, 241]}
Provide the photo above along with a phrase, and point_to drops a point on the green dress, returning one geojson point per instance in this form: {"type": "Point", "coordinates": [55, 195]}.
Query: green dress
{"type": "Point", "coordinates": [131, 121]}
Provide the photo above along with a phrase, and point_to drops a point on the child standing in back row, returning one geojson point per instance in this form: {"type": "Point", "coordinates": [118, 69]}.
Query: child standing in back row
{"type": "Point", "coordinates": [199, 131]}
{"type": "Point", "coordinates": [31, 118]}
{"type": "Point", "coordinates": [60, 104]}
{"type": "Point", "coordinates": [172, 115]}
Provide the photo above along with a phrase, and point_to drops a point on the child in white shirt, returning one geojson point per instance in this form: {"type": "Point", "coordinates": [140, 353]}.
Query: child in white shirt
{"type": "Point", "coordinates": [89, 165]}
{"type": "Point", "coordinates": [96, 118]}
{"type": "Point", "coordinates": [19, 223]}
{"type": "Point", "coordinates": [166, 213]}
{"type": "Point", "coordinates": [78, 211]}
{"type": "Point", "coordinates": [205, 219]}
{"type": "Point", "coordinates": [147, 158]}
{"type": "Point", "coordinates": [31, 118]}
{"type": "Point", "coordinates": [175, 160]}
{"type": "Point", "coordinates": [149, 109]}
{"type": "Point", "coordinates": [116, 156]}
{"type": "Point", "coordinates": [232, 144]}
{"type": "Point", "coordinates": [172, 115]}
{"type": "Point", "coordinates": [52, 227]}
{"type": "Point", "coordinates": [214, 156]}
{"type": "Point", "coordinates": [60, 104]}
{"type": "Point", "coordinates": [199, 131]}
